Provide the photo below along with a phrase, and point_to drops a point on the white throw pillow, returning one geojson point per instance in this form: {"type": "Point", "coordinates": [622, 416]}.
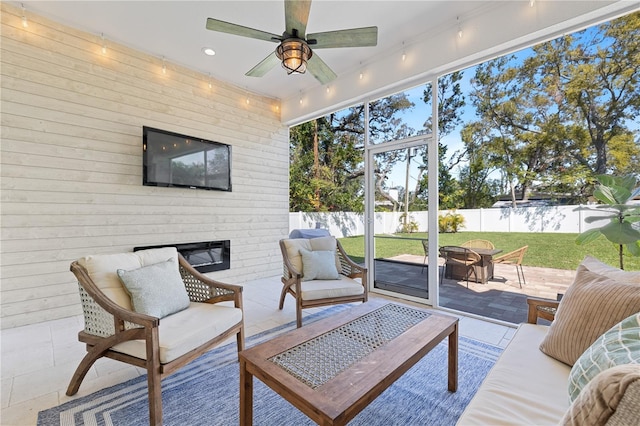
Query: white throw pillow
{"type": "Point", "coordinates": [156, 290]}
{"type": "Point", "coordinates": [318, 265]}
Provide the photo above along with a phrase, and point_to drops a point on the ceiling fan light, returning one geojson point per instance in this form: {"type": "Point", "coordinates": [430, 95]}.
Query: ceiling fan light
{"type": "Point", "coordinates": [294, 55]}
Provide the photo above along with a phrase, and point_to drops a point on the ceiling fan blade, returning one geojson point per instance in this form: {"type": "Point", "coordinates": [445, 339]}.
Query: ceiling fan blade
{"type": "Point", "coordinates": [320, 70]}
{"type": "Point", "coordinates": [264, 66]}
{"type": "Point", "coordinates": [355, 37]}
{"type": "Point", "coordinates": [229, 28]}
{"type": "Point", "coordinates": [296, 16]}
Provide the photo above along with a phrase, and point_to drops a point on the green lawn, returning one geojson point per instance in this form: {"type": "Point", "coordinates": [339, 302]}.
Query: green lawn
{"type": "Point", "coordinates": [549, 250]}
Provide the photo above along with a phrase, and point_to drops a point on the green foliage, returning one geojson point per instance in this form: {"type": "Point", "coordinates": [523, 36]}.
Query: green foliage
{"type": "Point", "coordinates": [615, 193]}
{"type": "Point", "coordinates": [410, 226]}
{"type": "Point", "coordinates": [326, 156]}
{"type": "Point", "coordinates": [565, 113]}
{"type": "Point", "coordinates": [450, 222]}
{"type": "Point", "coordinates": [325, 168]}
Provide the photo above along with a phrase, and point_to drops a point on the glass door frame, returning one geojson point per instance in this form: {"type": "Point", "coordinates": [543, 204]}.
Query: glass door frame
{"type": "Point", "coordinates": [431, 140]}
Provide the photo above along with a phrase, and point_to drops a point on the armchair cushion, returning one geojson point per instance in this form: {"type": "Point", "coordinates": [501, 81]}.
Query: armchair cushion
{"type": "Point", "coordinates": [186, 330]}
{"type": "Point", "coordinates": [293, 246]}
{"type": "Point", "coordinates": [319, 265]}
{"type": "Point", "coordinates": [102, 269]}
{"type": "Point", "coordinates": [326, 289]}
{"type": "Point", "coordinates": [156, 290]}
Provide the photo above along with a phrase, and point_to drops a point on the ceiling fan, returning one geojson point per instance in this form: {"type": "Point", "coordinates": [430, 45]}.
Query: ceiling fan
{"type": "Point", "coordinates": [294, 50]}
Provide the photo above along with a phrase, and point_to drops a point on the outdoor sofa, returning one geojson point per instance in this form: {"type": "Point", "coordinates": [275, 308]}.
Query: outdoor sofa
{"type": "Point", "coordinates": [583, 369]}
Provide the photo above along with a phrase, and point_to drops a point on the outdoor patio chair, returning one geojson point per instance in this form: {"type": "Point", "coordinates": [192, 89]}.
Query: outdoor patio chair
{"type": "Point", "coordinates": [461, 257]}
{"type": "Point", "coordinates": [514, 258]}
{"type": "Point", "coordinates": [478, 244]}
{"type": "Point", "coordinates": [153, 310]}
{"type": "Point", "coordinates": [318, 272]}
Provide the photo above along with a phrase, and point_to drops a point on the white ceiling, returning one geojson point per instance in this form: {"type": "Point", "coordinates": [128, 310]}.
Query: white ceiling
{"type": "Point", "coordinates": [176, 31]}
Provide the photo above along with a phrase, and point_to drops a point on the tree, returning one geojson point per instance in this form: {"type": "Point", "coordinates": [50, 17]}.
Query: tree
{"type": "Point", "coordinates": [478, 190]}
{"type": "Point", "coordinates": [324, 169]}
{"type": "Point", "coordinates": [566, 112]}
{"type": "Point", "coordinates": [326, 156]}
{"type": "Point", "coordinates": [451, 100]}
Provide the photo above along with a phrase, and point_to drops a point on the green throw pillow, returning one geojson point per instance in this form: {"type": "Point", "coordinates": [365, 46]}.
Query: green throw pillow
{"type": "Point", "coordinates": [156, 290]}
{"type": "Point", "coordinates": [319, 265]}
{"type": "Point", "coordinates": [619, 345]}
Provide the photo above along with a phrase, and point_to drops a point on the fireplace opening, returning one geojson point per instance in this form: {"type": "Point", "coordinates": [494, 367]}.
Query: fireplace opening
{"type": "Point", "coordinates": [204, 256]}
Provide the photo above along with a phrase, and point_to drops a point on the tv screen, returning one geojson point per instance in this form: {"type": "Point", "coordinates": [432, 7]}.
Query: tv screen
{"type": "Point", "coordinates": [171, 159]}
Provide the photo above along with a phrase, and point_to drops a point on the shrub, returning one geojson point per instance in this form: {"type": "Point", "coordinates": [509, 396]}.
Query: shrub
{"type": "Point", "coordinates": [450, 222]}
{"type": "Point", "coordinates": [409, 227]}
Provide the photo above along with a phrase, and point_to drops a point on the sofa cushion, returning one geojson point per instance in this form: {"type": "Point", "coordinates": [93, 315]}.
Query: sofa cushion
{"type": "Point", "coordinates": [319, 265]}
{"type": "Point", "coordinates": [602, 396]}
{"type": "Point", "coordinates": [591, 305]}
{"type": "Point", "coordinates": [524, 387]}
{"type": "Point", "coordinates": [619, 345]}
{"type": "Point", "coordinates": [600, 268]}
{"type": "Point", "coordinates": [186, 330]}
{"type": "Point", "coordinates": [156, 290]}
{"type": "Point", "coordinates": [322, 289]}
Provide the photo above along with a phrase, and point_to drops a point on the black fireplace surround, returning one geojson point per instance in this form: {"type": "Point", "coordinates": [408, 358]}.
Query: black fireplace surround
{"type": "Point", "coordinates": [205, 256]}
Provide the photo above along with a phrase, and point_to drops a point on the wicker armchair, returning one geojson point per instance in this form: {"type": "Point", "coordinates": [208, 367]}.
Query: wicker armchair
{"type": "Point", "coordinates": [478, 244]}
{"type": "Point", "coordinates": [514, 258]}
{"type": "Point", "coordinates": [309, 294]}
{"type": "Point", "coordinates": [114, 330]}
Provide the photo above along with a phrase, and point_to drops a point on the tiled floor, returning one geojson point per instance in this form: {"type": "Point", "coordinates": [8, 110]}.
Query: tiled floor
{"type": "Point", "coordinates": [38, 360]}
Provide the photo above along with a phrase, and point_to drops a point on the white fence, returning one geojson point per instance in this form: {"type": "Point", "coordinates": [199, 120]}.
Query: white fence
{"type": "Point", "coordinates": [565, 219]}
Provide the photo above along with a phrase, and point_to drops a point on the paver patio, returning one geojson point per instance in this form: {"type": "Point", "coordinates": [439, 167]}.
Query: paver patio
{"type": "Point", "coordinates": [500, 298]}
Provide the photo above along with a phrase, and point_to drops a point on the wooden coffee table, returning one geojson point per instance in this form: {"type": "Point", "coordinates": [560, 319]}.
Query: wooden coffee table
{"type": "Point", "coordinates": [333, 368]}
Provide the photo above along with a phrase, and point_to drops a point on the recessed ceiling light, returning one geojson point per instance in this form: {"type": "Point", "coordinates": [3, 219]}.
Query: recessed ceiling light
{"type": "Point", "coordinates": [208, 51]}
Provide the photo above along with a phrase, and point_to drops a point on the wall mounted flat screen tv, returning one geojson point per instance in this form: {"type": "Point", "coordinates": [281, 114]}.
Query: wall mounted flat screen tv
{"type": "Point", "coordinates": [171, 159]}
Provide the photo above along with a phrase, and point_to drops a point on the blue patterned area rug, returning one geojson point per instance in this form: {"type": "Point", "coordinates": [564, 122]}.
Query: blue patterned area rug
{"type": "Point", "coordinates": [206, 392]}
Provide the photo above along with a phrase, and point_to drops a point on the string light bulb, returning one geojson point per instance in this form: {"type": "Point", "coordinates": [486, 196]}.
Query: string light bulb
{"type": "Point", "coordinates": [210, 85]}
{"type": "Point", "coordinates": [532, 3]}
{"type": "Point", "coordinates": [164, 66]}
{"type": "Point", "coordinates": [460, 34]}
{"type": "Point", "coordinates": [404, 53]}
{"type": "Point", "coordinates": [104, 44]}
{"type": "Point", "coordinates": [25, 23]}
{"type": "Point", "coordinates": [328, 89]}
{"type": "Point", "coordinates": [361, 75]}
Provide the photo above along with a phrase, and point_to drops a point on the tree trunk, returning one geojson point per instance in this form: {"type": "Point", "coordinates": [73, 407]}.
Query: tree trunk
{"type": "Point", "coordinates": [316, 166]}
